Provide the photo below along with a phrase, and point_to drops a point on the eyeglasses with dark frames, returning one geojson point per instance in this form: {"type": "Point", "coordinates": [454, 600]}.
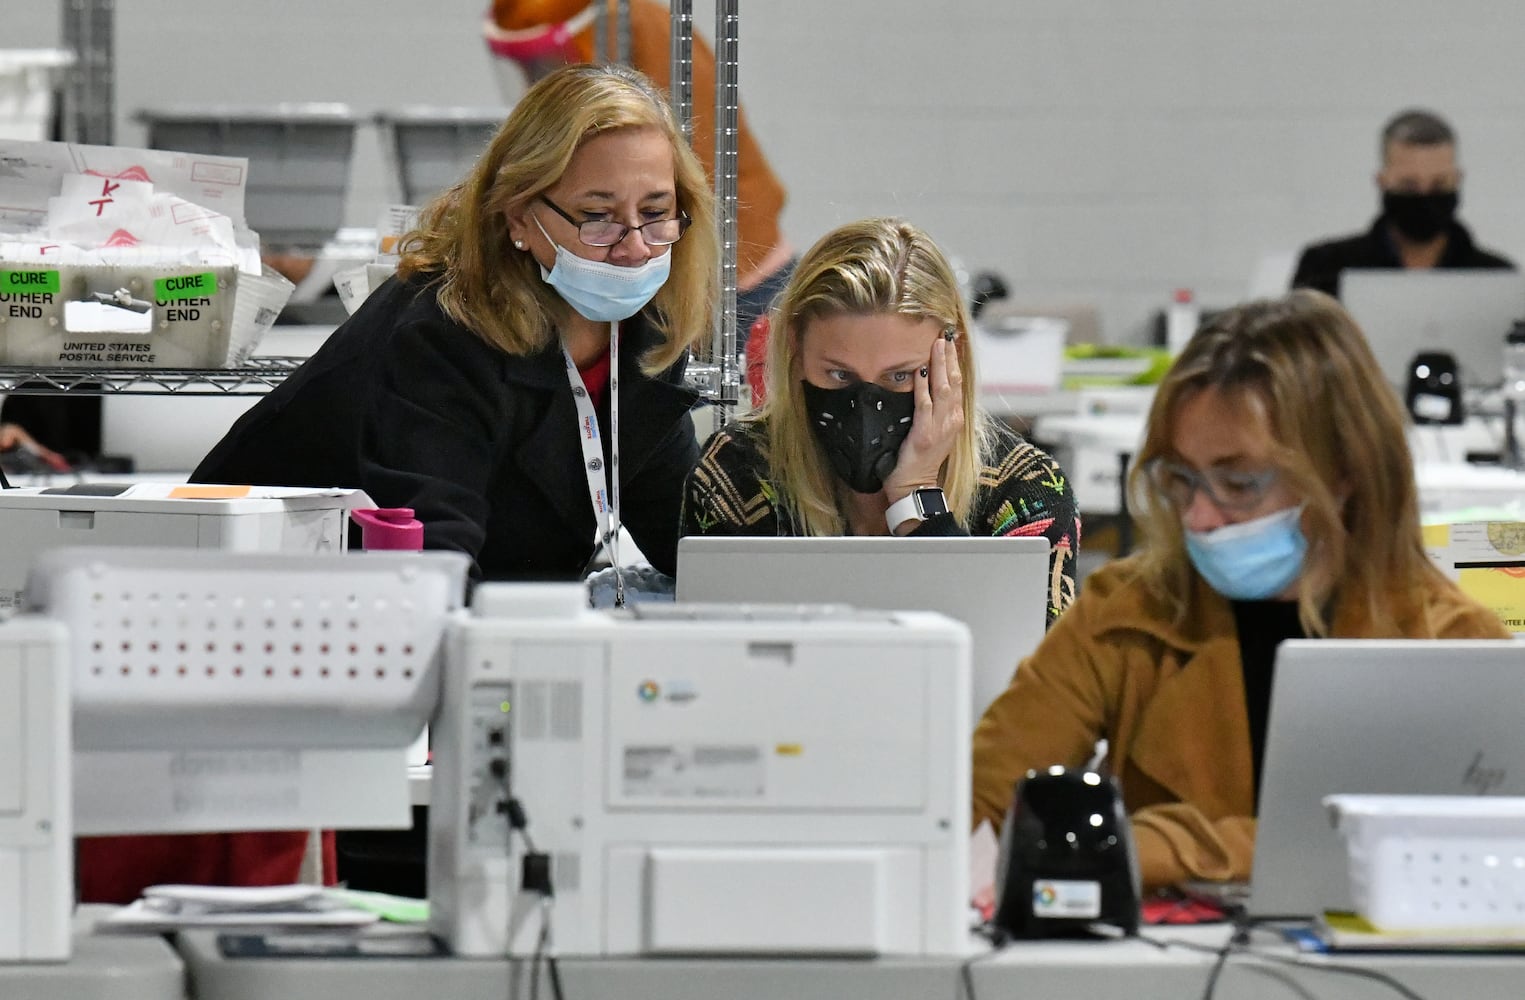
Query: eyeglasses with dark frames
{"type": "Point", "coordinates": [1228, 489]}
{"type": "Point", "coordinates": [607, 233]}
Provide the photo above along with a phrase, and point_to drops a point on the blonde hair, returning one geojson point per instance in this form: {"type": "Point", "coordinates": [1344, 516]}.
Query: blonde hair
{"type": "Point", "coordinates": [867, 268]}
{"type": "Point", "coordinates": [462, 242]}
{"type": "Point", "coordinates": [1338, 441]}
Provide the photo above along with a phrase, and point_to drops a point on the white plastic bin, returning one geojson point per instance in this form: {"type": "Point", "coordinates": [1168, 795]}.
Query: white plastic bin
{"type": "Point", "coordinates": [433, 148]}
{"type": "Point", "coordinates": [28, 80]}
{"type": "Point", "coordinates": [299, 162]}
{"type": "Point", "coordinates": [1434, 862]}
{"type": "Point", "coordinates": [1021, 353]}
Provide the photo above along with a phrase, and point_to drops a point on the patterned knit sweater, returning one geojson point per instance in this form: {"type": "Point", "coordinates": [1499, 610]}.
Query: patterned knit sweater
{"type": "Point", "coordinates": [1022, 492]}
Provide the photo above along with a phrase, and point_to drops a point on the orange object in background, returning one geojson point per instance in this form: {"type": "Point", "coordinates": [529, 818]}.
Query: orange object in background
{"type": "Point", "coordinates": [520, 15]}
{"type": "Point", "coordinates": [759, 193]}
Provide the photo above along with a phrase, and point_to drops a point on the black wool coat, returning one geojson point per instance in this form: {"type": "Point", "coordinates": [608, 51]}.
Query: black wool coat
{"type": "Point", "coordinates": [418, 411]}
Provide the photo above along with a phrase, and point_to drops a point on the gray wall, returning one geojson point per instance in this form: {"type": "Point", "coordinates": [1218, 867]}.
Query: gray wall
{"type": "Point", "coordinates": [1109, 150]}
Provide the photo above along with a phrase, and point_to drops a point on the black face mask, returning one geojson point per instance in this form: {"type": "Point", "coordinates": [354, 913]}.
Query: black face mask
{"type": "Point", "coordinates": [861, 428]}
{"type": "Point", "coordinates": [1420, 217]}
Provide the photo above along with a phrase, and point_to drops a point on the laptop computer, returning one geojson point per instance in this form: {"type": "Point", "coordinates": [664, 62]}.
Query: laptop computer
{"type": "Point", "coordinates": [998, 587]}
{"type": "Point", "coordinates": [1464, 313]}
{"type": "Point", "coordinates": [1401, 717]}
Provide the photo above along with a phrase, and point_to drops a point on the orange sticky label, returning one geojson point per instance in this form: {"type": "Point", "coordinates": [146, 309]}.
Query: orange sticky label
{"type": "Point", "coordinates": [208, 492]}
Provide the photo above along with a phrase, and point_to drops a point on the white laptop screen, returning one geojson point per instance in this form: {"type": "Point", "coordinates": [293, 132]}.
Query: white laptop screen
{"type": "Point", "coordinates": [998, 587]}
{"type": "Point", "coordinates": [1464, 313]}
{"type": "Point", "coordinates": [1401, 717]}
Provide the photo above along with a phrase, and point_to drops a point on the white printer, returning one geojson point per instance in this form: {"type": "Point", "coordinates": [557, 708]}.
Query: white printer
{"type": "Point", "coordinates": [226, 518]}
{"type": "Point", "coordinates": [36, 829]}
{"type": "Point", "coordinates": [703, 779]}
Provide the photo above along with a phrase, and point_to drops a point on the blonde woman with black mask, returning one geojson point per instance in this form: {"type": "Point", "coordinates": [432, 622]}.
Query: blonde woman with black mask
{"type": "Point", "coordinates": [870, 425]}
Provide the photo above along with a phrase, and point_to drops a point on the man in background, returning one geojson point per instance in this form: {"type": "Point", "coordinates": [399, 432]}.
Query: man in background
{"type": "Point", "coordinates": [1420, 186]}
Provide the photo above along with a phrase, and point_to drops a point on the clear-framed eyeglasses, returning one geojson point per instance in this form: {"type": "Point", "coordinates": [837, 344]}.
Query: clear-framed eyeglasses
{"type": "Point", "coordinates": [607, 233]}
{"type": "Point", "coordinates": [1229, 489]}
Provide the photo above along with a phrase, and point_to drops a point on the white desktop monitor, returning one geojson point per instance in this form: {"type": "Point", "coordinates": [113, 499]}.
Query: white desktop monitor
{"type": "Point", "coordinates": [1394, 717]}
{"type": "Point", "coordinates": [1464, 313]}
{"type": "Point", "coordinates": [998, 587]}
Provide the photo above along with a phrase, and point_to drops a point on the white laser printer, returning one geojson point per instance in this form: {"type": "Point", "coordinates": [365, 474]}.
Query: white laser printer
{"type": "Point", "coordinates": [34, 520]}
{"type": "Point", "coordinates": [703, 779]}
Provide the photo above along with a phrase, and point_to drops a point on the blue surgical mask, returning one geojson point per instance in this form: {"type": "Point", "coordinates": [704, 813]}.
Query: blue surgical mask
{"type": "Point", "coordinates": [1251, 560]}
{"type": "Point", "coordinates": [604, 292]}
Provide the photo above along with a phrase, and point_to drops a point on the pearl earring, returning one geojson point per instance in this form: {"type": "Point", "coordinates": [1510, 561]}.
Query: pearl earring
{"type": "Point", "coordinates": [518, 244]}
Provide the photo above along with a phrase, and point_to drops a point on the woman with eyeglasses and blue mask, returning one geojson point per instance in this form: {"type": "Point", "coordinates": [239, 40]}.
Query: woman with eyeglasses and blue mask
{"type": "Point", "coordinates": [1276, 497]}
{"type": "Point", "coordinates": [485, 386]}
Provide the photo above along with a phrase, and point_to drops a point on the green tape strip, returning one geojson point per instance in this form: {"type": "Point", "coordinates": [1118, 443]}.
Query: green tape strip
{"type": "Point", "coordinates": [29, 281]}
{"type": "Point", "coordinates": [185, 286]}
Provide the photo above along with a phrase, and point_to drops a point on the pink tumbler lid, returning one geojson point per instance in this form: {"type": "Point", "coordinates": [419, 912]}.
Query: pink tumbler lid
{"type": "Point", "coordinates": [389, 528]}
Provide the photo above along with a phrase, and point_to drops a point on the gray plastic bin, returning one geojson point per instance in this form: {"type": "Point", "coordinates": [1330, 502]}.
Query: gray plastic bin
{"type": "Point", "coordinates": [434, 147]}
{"type": "Point", "coordinates": [299, 162]}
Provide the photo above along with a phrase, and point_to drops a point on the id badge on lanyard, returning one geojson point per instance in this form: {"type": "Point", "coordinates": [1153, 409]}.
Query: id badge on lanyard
{"type": "Point", "coordinates": [603, 484]}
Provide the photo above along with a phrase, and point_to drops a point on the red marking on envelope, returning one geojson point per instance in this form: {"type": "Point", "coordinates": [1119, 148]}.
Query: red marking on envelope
{"type": "Point", "coordinates": [183, 212]}
{"type": "Point", "coordinates": [203, 172]}
{"type": "Point", "coordinates": [121, 238]}
{"type": "Point", "coordinates": [133, 173]}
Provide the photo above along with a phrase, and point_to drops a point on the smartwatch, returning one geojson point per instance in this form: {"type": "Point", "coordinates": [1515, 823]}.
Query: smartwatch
{"type": "Point", "coordinates": [918, 505]}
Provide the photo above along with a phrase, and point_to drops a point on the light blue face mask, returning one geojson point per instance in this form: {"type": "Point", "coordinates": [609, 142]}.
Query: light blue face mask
{"type": "Point", "coordinates": [604, 292]}
{"type": "Point", "coordinates": [1252, 560]}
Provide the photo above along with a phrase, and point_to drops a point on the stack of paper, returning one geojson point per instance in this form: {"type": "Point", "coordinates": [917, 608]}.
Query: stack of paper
{"type": "Point", "coordinates": [178, 907]}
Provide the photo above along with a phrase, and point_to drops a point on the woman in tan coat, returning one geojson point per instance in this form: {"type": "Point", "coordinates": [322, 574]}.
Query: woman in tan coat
{"type": "Point", "coordinates": [1277, 497]}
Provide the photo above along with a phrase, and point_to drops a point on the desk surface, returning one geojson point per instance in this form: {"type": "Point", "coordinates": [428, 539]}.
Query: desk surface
{"type": "Point", "coordinates": [214, 977]}
{"type": "Point", "coordinates": [1037, 970]}
{"type": "Point", "coordinates": [1269, 970]}
{"type": "Point", "coordinates": [104, 967]}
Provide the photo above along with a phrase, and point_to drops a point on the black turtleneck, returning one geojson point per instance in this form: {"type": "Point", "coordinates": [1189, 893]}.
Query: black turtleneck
{"type": "Point", "coordinates": [1262, 625]}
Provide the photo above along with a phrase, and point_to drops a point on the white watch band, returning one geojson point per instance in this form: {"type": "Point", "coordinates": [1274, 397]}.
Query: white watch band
{"type": "Point", "coordinates": [907, 508]}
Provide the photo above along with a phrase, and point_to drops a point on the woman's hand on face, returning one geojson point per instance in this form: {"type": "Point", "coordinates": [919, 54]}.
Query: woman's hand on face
{"type": "Point", "coordinates": [938, 422]}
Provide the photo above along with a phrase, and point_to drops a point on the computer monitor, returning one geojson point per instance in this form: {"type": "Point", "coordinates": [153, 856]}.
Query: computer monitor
{"type": "Point", "coordinates": [998, 587]}
{"type": "Point", "coordinates": [1399, 717]}
{"type": "Point", "coordinates": [1464, 313]}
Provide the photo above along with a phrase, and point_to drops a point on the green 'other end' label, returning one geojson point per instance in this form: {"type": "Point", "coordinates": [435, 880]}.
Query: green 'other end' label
{"type": "Point", "coordinates": [28, 281]}
{"type": "Point", "coordinates": [185, 286]}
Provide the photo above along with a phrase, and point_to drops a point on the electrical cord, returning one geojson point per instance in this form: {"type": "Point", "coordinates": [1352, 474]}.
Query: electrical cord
{"type": "Point", "coordinates": [1239, 943]}
{"type": "Point", "coordinates": [998, 939]}
{"type": "Point", "coordinates": [1218, 964]}
{"type": "Point", "coordinates": [535, 876]}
